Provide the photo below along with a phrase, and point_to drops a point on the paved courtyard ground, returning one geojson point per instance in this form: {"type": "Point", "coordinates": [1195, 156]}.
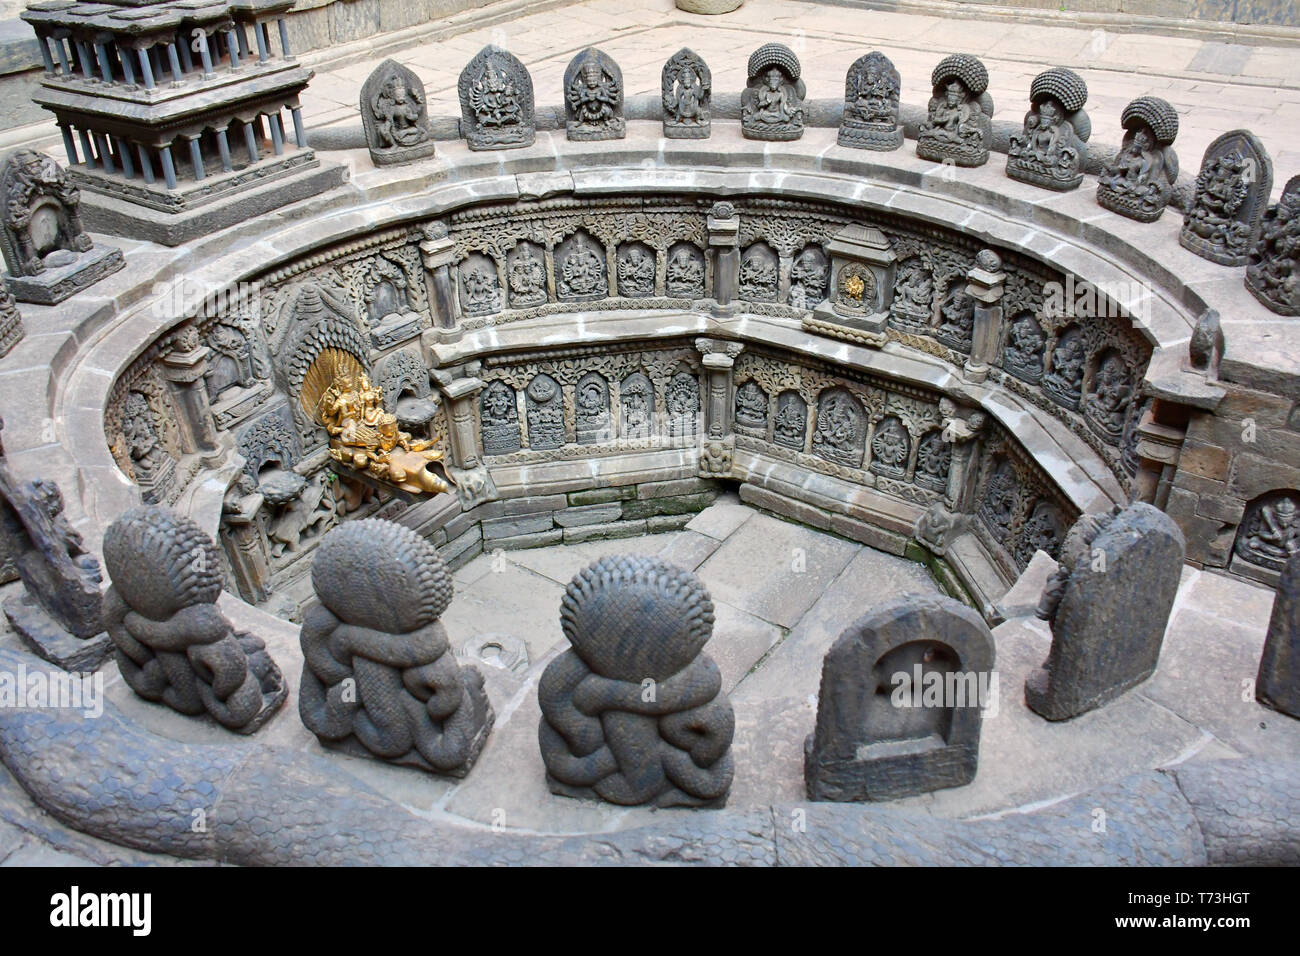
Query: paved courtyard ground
{"type": "Point", "coordinates": [783, 593]}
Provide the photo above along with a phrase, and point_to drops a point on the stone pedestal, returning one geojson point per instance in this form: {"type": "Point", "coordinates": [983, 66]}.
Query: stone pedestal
{"type": "Point", "coordinates": [51, 641]}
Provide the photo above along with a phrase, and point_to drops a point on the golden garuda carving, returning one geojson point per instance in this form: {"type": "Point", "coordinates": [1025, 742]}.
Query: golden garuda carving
{"type": "Point", "coordinates": [338, 394]}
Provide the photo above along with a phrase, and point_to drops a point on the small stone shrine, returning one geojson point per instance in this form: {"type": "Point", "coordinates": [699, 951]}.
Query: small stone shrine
{"type": "Point", "coordinates": [1051, 151]}
{"type": "Point", "coordinates": [871, 90]}
{"type": "Point", "coordinates": [898, 712]}
{"type": "Point", "coordinates": [1232, 190]}
{"type": "Point", "coordinates": [959, 117]}
{"type": "Point", "coordinates": [496, 101]}
{"type": "Point", "coordinates": [1139, 182]}
{"type": "Point", "coordinates": [593, 97]}
{"type": "Point", "coordinates": [771, 106]}
{"type": "Point", "coordinates": [46, 249]}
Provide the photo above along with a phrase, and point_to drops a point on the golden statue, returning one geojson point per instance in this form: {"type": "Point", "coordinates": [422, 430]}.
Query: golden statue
{"type": "Point", "coordinates": [363, 436]}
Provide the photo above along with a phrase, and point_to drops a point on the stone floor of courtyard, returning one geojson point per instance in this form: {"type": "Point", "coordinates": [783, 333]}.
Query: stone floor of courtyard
{"type": "Point", "coordinates": [783, 593]}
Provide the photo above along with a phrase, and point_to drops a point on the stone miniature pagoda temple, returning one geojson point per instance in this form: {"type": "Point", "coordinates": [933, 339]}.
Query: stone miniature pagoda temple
{"type": "Point", "coordinates": [174, 114]}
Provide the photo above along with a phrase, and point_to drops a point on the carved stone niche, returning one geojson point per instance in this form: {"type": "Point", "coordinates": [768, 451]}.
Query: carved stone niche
{"type": "Point", "coordinates": [959, 118]}
{"type": "Point", "coordinates": [808, 275]}
{"type": "Point", "coordinates": [47, 251]}
{"type": "Point", "coordinates": [841, 432]}
{"type": "Point", "coordinates": [580, 269]}
{"type": "Point", "coordinates": [863, 266]}
{"type": "Point", "coordinates": [1022, 355]}
{"type": "Point", "coordinates": [771, 106]}
{"type": "Point", "coordinates": [687, 90]}
{"type": "Point", "coordinates": [684, 272]}
{"type": "Point", "coordinates": [1063, 381]}
{"type": "Point", "coordinates": [544, 402]}
{"type": "Point", "coordinates": [238, 374]}
{"type": "Point", "coordinates": [496, 101]}
{"type": "Point", "coordinates": [1268, 536]}
{"type": "Point", "coordinates": [790, 426]}
{"type": "Point", "coordinates": [593, 97]}
{"type": "Point", "coordinates": [404, 379]}
{"type": "Point", "coordinates": [526, 275]}
{"type": "Point", "coordinates": [1139, 182]}
{"type": "Point", "coordinates": [591, 409]}
{"type": "Point", "coordinates": [911, 308]}
{"type": "Point", "coordinates": [478, 285]}
{"type": "Point", "coordinates": [760, 273]}
{"type": "Point", "coordinates": [871, 89]}
{"type": "Point", "coordinates": [1051, 151]}
{"type": "Point", "coordinates": [499, 420]}
{"type": "Point", "coordinates": [388, 303]}
{"type": "Point", "coordinates": [1108, 404]}
{"type": "Point", "coordinates": [636, 270]}
{"type": "Point", "coordinates": [1273, 272]}
{"type": "Point", "coordinates": [395, 115]}
{"type": "Point", "coordinates": [898, 712]}
{"type": "Point", "coordinates": [1232, 190]}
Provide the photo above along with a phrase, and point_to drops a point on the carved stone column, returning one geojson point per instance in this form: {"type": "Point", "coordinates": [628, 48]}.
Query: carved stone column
{"type": "Point", "coordinates": [474, 484]}
{"type": "Point", "coordinates": [245, 545]}
{"type": "Point", "coordinates": [184, 367]}
{"type": "Point", "coordinates": [962, 429]}
{"type": "Point", "coordinates": [724, 248]}
{"type": "Point", "coordinates": [985, 284]}
{"type": "Point", "coordinates": [437, 250]}
{"type": "Point", "coordinates": [719, 444]}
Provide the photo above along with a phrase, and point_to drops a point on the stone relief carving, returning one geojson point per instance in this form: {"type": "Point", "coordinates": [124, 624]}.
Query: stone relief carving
{"type": "Point", "coordinates": [636, 622]}
{"type": "Point", "coordinates": [683, 403]}
{"type": "Point", "coordinates": [684, 275]}
{"type": "Point", "coordinates": [871, 90]}
{"type": "Point", "coordinates": [1107, 406]}
{"type": "Point", "coordinates": [841, 428]}
{"type": "Point", "coordinates": [593, 97]}
{"type": "Point", "coordinates": [11, 321]}
{"type": "Point", "coordinates": [1043, 531]}
{"type": "Point", "coordinates": [808, 275]}
{"type": "Point", "coordinates": [687, 94]}
{"type": "Point", "coordinates": [957, 312]}
{"type": "Point", "coordinates": [1023, 354]}
{"type": "Point", "coordinates": [172, 644]}
{"type": "Point", "coordinates": [1051, 151]}
{"type": "Point", "coordinates": [404, 381]}
{"type": "Point", "coordinates": [890, 448]}
{"type": "Point", "coordinates": [526, 275]}
{"type": "Point", "coordinates": [636, 270]}
{"type": "Point", "coordinates": [1232, 190]}
{"type": "Point", "coordinates": [1269, 533]}
{"type": "Point", "coordinates": [751, 407]}
{"type": "Point", "coordinates": [637, 405]}
{"type": "Point", "coordinates": [238, 359]}
{"type": "Point", "coordinates": [499, 420]}
{"type": "Point", "coordinates": [545, 407]}
{"type": "Point", "coordinates": [1273, 271]}
{"type": "Point", "coordinates": [771, 106]}
{"type": "Point", "coordinates": [1140, 181]}
{"type": "Point", "coordinates": [790, 427]}
{"type": "Point", "coordinates": [153, 469]}
{"type": "Point", "coordinates": [480, 288]}
{"type": "Point", "coordinates": [912, 306]}
{"type": "Point", "coordinates": [395, 115]}
{"type": "Point", "coordinates": [933, 461]}
{"type": "Point", "coordinates": [1063, 382]}
{"type": "Point", "coordinates": [958, 120]}
{"type": "Point", "coordinates": [496, 101]}
{"type": "Point", "coordinates": [591, 409]}
{"type": "Point", "coordinates": [1001, 501]}
{"type": "Point", "coordinates": [580, 264]}
{"type": "Point", "coordinates": [380, 678]}
{"type": "Point", "coordinates": [759, 273]}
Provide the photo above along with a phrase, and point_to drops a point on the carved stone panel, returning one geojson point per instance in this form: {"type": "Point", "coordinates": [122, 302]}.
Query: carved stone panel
{"type": "Point", "coordinates": [684, 274]}
{"type": "Point", "coordinates": [499, 418]}
{"type": "Point", "coordinates": [480, 288]}
{"type": "Point", "coordinates": [496, 101]}
{"type": "Point", "coordinates": [751, 407]}
{"type": "Point", "coordinates": [1023, 355]}
{"type": "Point", "coordinates": [1269, 533]}
{"type": "Point", "coordinates": [1232, 191]}
{"type": "Point", "coordinates": [890, 448]}
{"type": "Point", "coordinates": [636, 397]}
{"type": "Point", "coordinates": [1063, 381]}
{"type": "Point", "coordinates": [808, 275]}
{"type": "Point", "coordinates": [636, 270]}
{"type": "Point", "coordinates": [580, 269]}
{"type": "Point", "coordinates": [841, 430]}
{"type": "Point", "coordinates": [957, 317]}
{"type": "Point", "coordinates": [593, 97]}
{"type": "Point", "coordinates": [1273, 273]}
{"type": "Point", "coordinates": [683, 402]}
{"type": "Point", "coordinates": [395, 115]}
{"type": "Point", "coordinates": [912, 307]}
{"type": "Point", "coordinates": [760, 273]}
{"type": "Point", "coordinates": [687, 92]}
{"type": "Point", "coordinates": [790, 427]}
{"type": "Point", "coordinates": [933, 461]}
{"type": "Point", "coordinates": [545, 404]}
{"type": "Point", "coordinates": [591, 409]}
{"type": "Point", "coordinates": [871, 89]}
{"type": "Point", "coordinates": [1108, 404]}
{"type": "Point", "coordinates": [526, 275]}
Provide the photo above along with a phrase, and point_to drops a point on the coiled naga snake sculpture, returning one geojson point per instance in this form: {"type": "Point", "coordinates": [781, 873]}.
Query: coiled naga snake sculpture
{"type": "Point", "coordinates": [172, 643]}
{"type": "Point", "coordinates": [380, 679]}
{"type": "Point", "coordinates": [633, 713]}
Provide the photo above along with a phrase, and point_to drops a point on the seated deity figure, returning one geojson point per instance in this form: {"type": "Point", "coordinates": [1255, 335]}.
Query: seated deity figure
{"type": "Point", "coordinates": [593, 97]}
{"type": "Point", "coordinates": [1108, 405]}
{"type": "Point", "coordinates": [1227, 210]}
{"type": "Point", "coordinates": [1140, 181]}
{"type": "Point", "coordinates": [1272, 534]}
{"type": "Point", "coordinates": [1273, 270]}
{"type": "Point", "coordinates": [771, 107]}
{"type": "Point", "coordinates": [365, 437]}
{"type": "Point", "coordinates": [397, 114]}
{"type": "Point", "coordinates": [958, 121]}
{"type": "Point", "coordinates": [1051, 149]}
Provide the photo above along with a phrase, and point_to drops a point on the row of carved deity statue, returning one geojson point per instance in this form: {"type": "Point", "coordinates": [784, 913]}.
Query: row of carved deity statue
{"type": "Point", "coordinates": [1227, 219]}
